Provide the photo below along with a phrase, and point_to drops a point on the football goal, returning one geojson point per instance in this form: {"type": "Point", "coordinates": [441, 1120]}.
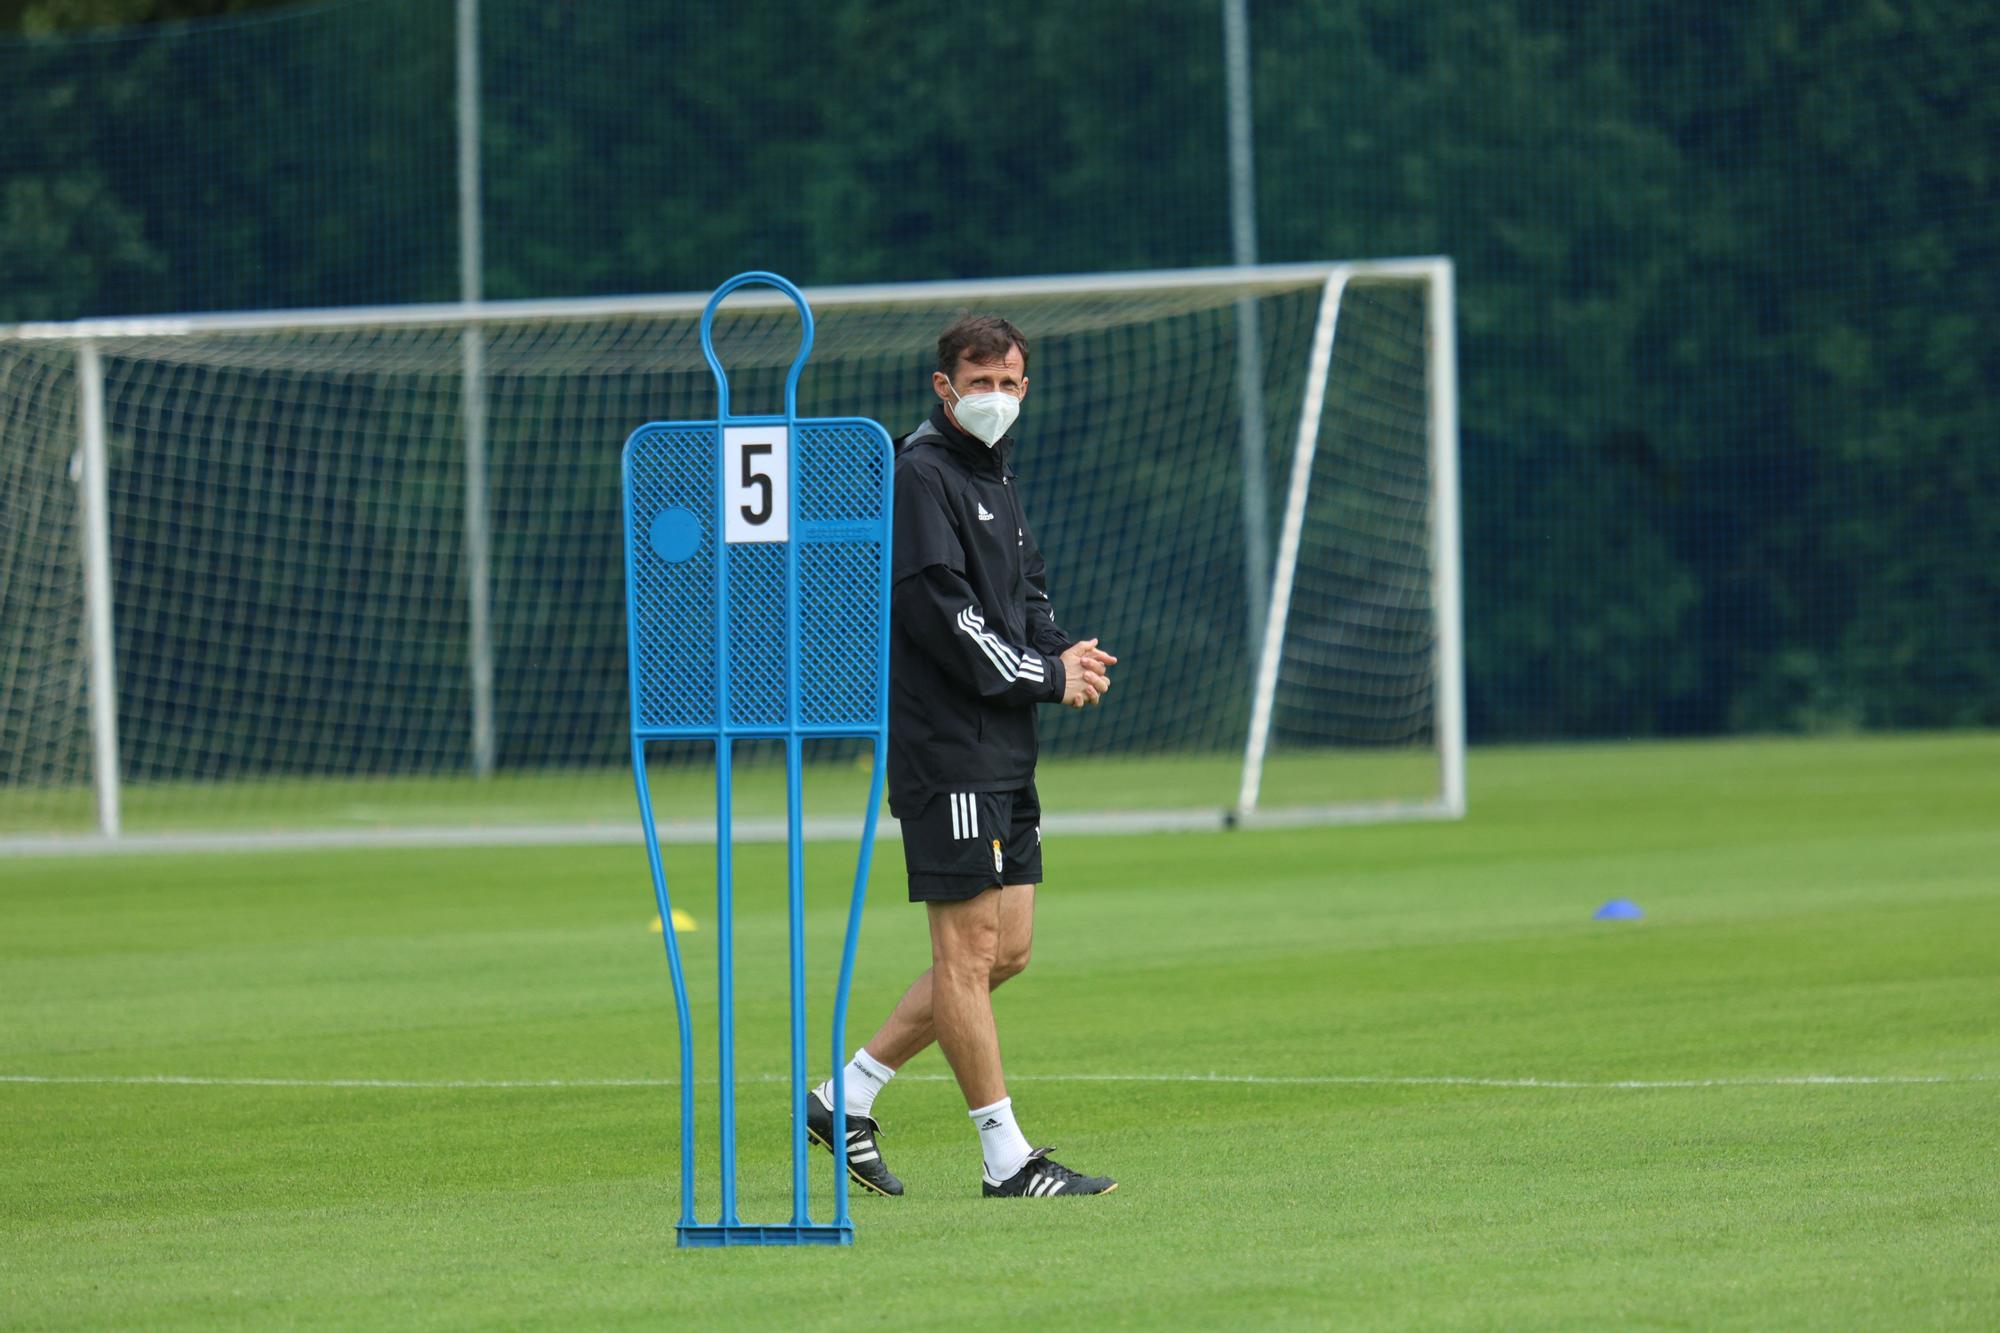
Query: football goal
{"type": "Point", "coordinates": [354, 575]}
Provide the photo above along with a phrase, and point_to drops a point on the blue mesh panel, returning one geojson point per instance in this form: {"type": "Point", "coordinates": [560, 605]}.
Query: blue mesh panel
{"type": "Point", "coordinates": [840, 474]}
{"type": "Point", "coordinates": [839, 621]}
{"type": "Point", "coordinates": [840, 469]}
{"type": "Point", "coordinates": [757, 634]}
{"type": "Point", "coordinates": [673, 619]}
{"type": "Point", "coordinates": [841, 478]}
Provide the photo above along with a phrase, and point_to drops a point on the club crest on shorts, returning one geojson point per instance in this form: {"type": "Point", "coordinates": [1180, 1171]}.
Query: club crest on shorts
{"type": "Point", "coordinates": [996, 856]}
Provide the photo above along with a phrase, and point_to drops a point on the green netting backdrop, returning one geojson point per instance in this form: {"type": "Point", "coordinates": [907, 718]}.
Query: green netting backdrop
{"type": "Point", "coordinates": [1728, 274]}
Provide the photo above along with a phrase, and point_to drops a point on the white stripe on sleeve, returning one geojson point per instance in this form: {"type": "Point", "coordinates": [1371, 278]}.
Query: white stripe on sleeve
{"type": "Point", "coordinates": [976, 623]}
{"type": "Point", "coordinates": [1003, 659]}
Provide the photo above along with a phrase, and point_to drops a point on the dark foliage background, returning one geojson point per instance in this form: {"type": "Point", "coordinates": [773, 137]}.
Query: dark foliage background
{"type": "Point", "coordinates": [1727, 274]}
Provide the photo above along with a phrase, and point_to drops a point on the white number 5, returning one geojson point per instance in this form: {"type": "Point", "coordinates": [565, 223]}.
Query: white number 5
{"type": "Point", "coordinates": [757, 484]}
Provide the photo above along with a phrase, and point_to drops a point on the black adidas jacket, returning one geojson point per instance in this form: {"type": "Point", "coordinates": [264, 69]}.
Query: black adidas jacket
{"type": "Point", "coordinates": [973, 642]}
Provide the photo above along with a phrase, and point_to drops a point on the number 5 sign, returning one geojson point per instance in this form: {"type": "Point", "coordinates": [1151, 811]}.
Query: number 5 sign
{"type": "Point", "coordinates": [758, 506]}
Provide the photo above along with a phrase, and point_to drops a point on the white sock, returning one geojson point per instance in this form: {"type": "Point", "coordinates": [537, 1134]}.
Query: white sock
{"type": "Point", "coordinates": [1000, 1139]}
{"type": "Point", "coordinates": [865, 1077]}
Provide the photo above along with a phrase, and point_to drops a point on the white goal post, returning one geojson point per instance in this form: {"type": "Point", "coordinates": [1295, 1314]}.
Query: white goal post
{"type": "Point", "coordinates": [264, 576]}
{"type": "Point", "coordinates": [1446, 605]}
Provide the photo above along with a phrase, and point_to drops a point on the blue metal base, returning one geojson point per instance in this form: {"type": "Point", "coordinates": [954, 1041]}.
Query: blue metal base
{"type": "Point", "coordinates": [720, 1237]}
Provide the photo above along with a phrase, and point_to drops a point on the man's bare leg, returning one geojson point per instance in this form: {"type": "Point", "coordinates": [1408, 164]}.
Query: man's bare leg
{"type": "Point", "coordinates": [912, 1025]}
{"type": "Point", "coordinates": [965, 943]}
{"type": "Point", "coordinates": [975, 946]}
{"type": "Point", "coordinates": [965, 946]}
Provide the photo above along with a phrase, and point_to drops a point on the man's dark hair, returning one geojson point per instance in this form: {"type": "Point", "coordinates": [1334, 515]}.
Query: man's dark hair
{"type": "Point", "coordinates": [980, 338]}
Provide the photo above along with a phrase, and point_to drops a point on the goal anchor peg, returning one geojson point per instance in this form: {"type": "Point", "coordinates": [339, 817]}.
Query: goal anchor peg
{"type": "Point", "coordinates": [757, 608]}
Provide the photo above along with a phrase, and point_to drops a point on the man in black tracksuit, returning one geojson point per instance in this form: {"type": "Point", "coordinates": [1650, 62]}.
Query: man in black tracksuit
{"type": "Point", "coordinates": [973, 648]}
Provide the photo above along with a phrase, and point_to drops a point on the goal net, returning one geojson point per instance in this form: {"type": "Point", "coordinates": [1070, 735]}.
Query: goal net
{"type": "Point", "coordinates": [358, 571]}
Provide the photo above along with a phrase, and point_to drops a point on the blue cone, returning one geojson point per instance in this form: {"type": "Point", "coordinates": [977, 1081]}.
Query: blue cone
{"type": "Point", "coordinates": [1618, 909]}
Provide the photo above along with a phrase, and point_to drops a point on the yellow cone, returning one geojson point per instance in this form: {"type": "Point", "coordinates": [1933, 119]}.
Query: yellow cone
{"type": "Point", "coordinates": [682, 922]}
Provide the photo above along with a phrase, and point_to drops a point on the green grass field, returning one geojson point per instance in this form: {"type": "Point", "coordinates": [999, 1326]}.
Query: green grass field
{"type": "Point", "coordinates": [1375, 1077]}
{"type": "Point", "coordinates": [603, 796]}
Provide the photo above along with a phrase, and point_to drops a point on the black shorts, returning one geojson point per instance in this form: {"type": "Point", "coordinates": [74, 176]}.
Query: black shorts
{"type": "Point", "coordinates": [964, 843]}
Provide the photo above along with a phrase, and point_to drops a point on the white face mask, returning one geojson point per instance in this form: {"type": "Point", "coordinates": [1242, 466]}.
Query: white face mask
{"type": "Point", "coordinates": [985, 416]}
